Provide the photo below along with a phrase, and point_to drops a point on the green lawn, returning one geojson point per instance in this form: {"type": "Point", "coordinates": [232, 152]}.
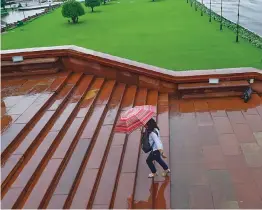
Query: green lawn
{"type": "Point", "coordinates": [165, 33]}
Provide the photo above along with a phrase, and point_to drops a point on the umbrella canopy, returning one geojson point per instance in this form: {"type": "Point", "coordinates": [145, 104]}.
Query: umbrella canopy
{"type": "Point", "coordinates": [134, 118]}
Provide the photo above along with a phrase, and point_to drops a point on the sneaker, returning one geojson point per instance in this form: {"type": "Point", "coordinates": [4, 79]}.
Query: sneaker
{"type": "Point", "coordinates": [152, 175]}
{"type": "Point", "coordinates": [166, 172]}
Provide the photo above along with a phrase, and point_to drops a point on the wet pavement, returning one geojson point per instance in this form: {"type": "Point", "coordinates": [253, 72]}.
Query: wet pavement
{"type": "Point", "coordinates": [59, 149]}
{"type": "Point", "coordinates": [216, 155]}
{"type": "Point", "coordinates": [57, 134]}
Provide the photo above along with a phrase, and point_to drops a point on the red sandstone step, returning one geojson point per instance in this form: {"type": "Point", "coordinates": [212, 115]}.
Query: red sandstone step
{"type": "Point", "coordinates": [28, 109]}
{"type": "Point", "coordinates": [64, 186]}
{"type": "Point", "coordinates": [14, 102]}
{"type": "Point", "coordinates": [12, 82]}
{"type": "Point", "coordinates": [213, 95]}
{"type": "Point", "coordinates": [200, 90]}
{"type": "Point", "coordinates": [96, 155]}
{"type": "Point", "coordinates": [39, 190]}
{"type": "Point", "coordinates": [79, 200]}
{"type": "Point", "coordinates": [61, 150]}
{"type": "Point", "coordinates": [107, 180]}
{"type": "Point", "coordinates": [163, 114]}
{"type": "Point", "coordinates": [35, 132]}
{"type": "Point", "coordinates": [14, 94]}
{"type": "Point", "coordinates": [30, 72]}
{"type": "Point", "coordinates": [29, 61]}
{"type": "Point", "coordinates": [30, 67]}
{"type": "Point", "coordinates": [120, 140]}
{"type": "Point", "coordinates": [59, 82]}
{"type": "Point", "coordinates": [35, 166]}
{"type": "Point", "coordinates": [144, 185]}
{"type": "Point", "coordinates": [100, 156]}
{"type": "Point", "coordinates": [30, 140]}
{"type": "Point", "coordinates": [223, 84]}
{"type": "Point", "coordinates": [129, 162]}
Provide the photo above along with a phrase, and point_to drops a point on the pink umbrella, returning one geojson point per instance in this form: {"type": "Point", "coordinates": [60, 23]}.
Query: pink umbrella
{"type": "Point", "coordinates": [134, 118]}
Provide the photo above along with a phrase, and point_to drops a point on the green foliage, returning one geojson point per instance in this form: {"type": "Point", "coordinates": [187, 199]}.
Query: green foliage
{"type": "Point", "coordinates": [251, 37]}
{"type": "Point", "coordinates": [3, 3]}
{"type": "Point", "coordinates": [177, 39]}
{"type": "Point", "coordinates": [4, 12]}
{"type": "Point", "coordinates": [72, 9]}
{"type": "Point", "coordinates": [92, 3]}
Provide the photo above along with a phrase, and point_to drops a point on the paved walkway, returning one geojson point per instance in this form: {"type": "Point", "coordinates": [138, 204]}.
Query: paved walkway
{"type": "Point", "coordinates": [216, 153]}
{"type": "Point", "coordinates": [59, 148]}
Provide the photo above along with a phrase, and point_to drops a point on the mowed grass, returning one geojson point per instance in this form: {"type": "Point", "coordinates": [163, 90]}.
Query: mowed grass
{"type": "Point", "coordinates": [165, 33]}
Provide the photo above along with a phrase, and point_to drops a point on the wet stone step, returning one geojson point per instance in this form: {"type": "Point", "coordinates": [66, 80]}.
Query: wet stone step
{"type": "Point", "coordinates": [96, 157]}
{"type": "Point", "coordinates": [24, 147]}
{"type": "Point", "coordinates": [23, 72]}
{"type": "Point", "coordinates": [28, 109]}
{"type": "Point", "coordinates": [64, 152]}
{"type": "Point", "coordinates": [42, 121]}
{"type": "Point", "coordinates": [114, 155]}
{"type": "Point", "coordinates": [223, 84]}
{"type": "Point", "coordinates": [29, 61]}
{"type": "Point", "coordinates": [132, 150]}
{"type": "Point", "coordinates": [42, 154]}
{"type": "Point", "coordinates": [212, 95]}
{"type": "Point", "coordinates": [144, 185]}
{"type": "Point", "coordinates": [120, 140]}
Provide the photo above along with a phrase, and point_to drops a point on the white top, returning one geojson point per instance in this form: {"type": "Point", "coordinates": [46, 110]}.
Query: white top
{"type": "Point", "coordinates": [153, 138]}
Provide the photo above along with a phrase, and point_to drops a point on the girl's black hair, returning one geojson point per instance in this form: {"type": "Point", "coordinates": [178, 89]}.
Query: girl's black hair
{"type": "Point", "coordinates": [151, 124]}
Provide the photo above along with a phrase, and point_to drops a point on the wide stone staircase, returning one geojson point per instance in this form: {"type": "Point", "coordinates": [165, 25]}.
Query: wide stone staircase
{"type": "Point", "coordinates": [59, 149]}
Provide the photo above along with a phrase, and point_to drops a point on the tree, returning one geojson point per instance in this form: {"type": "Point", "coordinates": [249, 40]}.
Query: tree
{"type": "Point", "coordinates": [3, 3]}
{"type": "Point", "coordinates": [72, 9]}
{"type": "Point", "coordinates": [92, 3]}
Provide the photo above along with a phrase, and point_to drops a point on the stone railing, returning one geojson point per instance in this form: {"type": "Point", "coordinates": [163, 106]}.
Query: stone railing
{"type": "Point", "coordinates": [77, 59]}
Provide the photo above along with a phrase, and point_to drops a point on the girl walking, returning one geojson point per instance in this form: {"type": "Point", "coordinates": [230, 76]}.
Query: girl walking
{"type": "Point", "coordinates": [157, 149]}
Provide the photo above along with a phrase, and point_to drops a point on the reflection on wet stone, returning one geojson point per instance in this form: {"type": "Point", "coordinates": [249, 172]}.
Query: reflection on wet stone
{"type": "Point", "coordinates": [221, 187]}
{"type": "Point", "coordinates": [212, 153]}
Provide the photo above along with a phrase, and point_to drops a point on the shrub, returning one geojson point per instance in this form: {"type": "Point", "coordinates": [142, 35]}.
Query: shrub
{"type": "Point", "coordinates": [92, 3]}
{"type": "Point", "coordinates": [72, 9]}
{"type": "Point", "coordinates": [3, 3]}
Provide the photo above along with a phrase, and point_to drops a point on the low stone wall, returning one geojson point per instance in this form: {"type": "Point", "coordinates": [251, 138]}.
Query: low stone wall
{"type": "Point", "coordinates": [78, 59]}
{"type": "Point", "coordinates": [29, 18]}
{"type": "Point", "coordinates": [50, 60]}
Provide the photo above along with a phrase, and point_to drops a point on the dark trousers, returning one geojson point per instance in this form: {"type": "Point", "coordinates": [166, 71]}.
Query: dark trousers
{"type": "Point", "coordinates": [155, 155]}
